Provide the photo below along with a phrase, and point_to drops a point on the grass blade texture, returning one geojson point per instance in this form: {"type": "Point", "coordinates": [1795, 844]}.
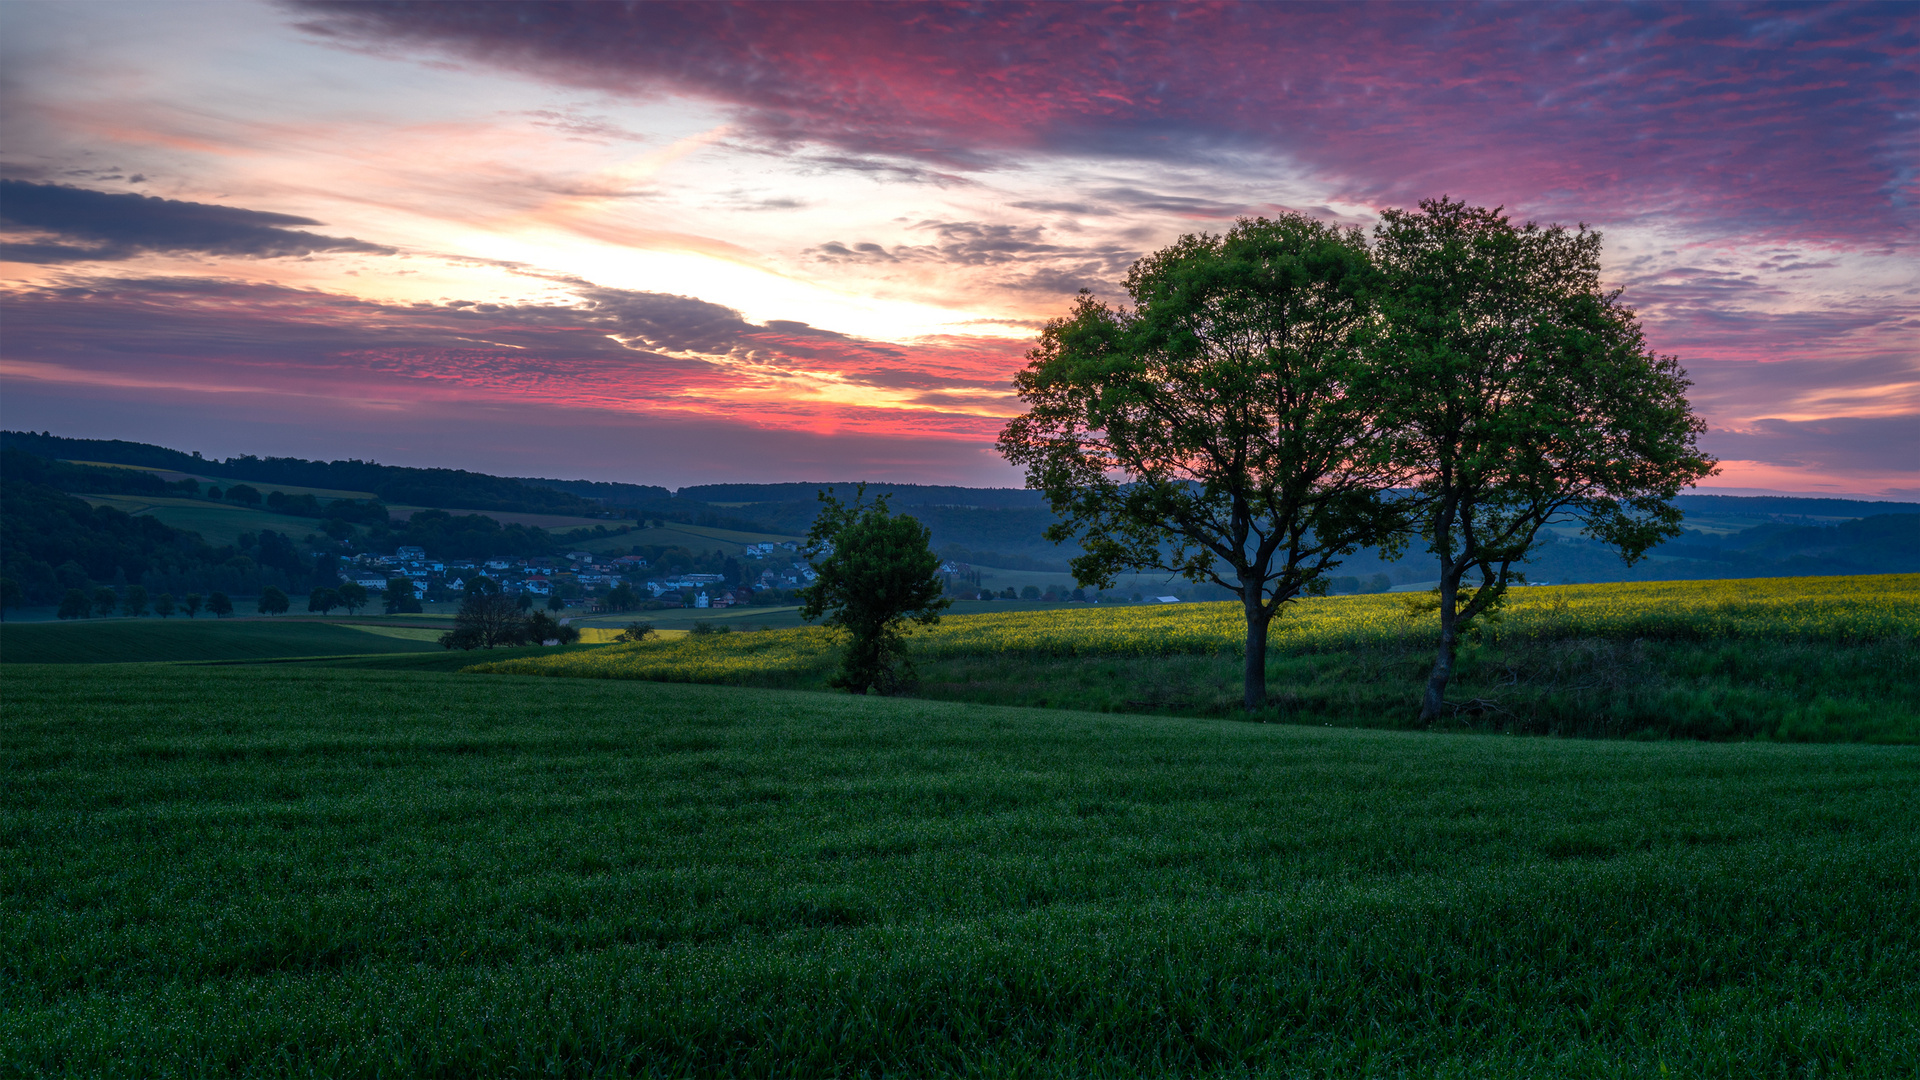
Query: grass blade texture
{"type": "Point", "coordinates": [294, 871]}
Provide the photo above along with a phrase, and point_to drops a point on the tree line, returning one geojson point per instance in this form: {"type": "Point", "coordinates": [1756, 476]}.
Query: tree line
{"type": "Point", "coordinates": [392, 484]}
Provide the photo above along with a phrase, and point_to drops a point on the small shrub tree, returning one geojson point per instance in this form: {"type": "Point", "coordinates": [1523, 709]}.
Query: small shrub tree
{"type": "Point", "coordinates": [272, 602]}
{"type": "Point", "coordinates": [353, 596]}
{"type": "Point", "coordinates": [134, 604]}
{"type": "Point", "coordinates": [637, 631]}
{"type": "Point", "coordinates": [400, 598]}
{"type": "Point", "coordinates": [876, 571]}
{"type": "Point", "coordinates": [104, 601]}
{"type": "Point", "coordinates": [74, 605]}
{"type": "Point", "coordinates": [163, 605]}
{"type": "Point", "coordinates": [486, 620]}
{"type": "Point", "coordinates": [544, 629]}
{"type": "Point", "coordinates": [191, 604]}
{"type": "Point", "coordinates": [323, 600]}
{"type": "Point", "coordinates": [220, 604]}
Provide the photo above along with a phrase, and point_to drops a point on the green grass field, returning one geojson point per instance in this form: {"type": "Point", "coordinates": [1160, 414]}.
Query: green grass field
{"type": "Point", "coordinates": [556, 523]}
{"type": "Point", "coordinates": [217, 523]}
{"type": "Point", "coordinates": [135, 640]}
{"type": "Point", "coordinates": [785, 617]}
{"type": "Point", "coordinates": [691, 537]}
{"type": "Point", "coordinates": [283, 871]}
{"type": "Point", "coordinates": [1809, 659]}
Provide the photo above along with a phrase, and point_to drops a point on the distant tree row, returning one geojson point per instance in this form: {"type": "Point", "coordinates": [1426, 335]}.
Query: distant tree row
{"type": "Point", "coordinates": [135, 602]}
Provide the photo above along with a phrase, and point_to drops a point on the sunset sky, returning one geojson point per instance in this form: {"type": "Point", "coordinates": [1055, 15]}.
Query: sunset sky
{"type": "Point", "coordinates": [676, 244]}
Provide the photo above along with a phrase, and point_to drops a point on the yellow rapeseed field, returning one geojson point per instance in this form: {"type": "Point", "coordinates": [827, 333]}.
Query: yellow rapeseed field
{"type": "Point", "coordinates": [1829, 609]}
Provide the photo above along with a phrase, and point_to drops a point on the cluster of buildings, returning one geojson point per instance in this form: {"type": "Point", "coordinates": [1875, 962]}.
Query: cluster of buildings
{"type": "Point", "coordinates": [538, 576]}
{"type": "Point", "coordinates": [587, 574]}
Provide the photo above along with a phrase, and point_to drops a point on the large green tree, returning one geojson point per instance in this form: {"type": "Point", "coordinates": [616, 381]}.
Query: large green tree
{"type": "Point", "coordinates": [1526, 395]}
{"type": "Point", "coordinates": [1224, 428]}
{"type": "Point", "coordinates": [876, 572]}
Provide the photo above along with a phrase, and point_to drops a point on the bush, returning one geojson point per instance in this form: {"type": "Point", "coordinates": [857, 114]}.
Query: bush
{"type": "Point", "coordinates": [486, 620]}
{"type": "Point", "coordinates": [75, 605]}
{"type": "Point", "coordinates": [637, 631]}
{"type": "Point", "coordinates": [399, 597]}
{"type": "Point", "coordinates": [543, 629]}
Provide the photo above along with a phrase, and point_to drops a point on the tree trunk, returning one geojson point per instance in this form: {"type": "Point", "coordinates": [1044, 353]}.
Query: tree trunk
{"type": "Point", "coordinates": [1436, 695]}
{"type": "Point", "coordinates": [1255, 697]}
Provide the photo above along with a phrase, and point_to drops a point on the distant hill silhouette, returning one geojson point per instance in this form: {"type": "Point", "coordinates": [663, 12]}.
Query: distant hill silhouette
{"type": "Point", "coordinates": [1788, 535]}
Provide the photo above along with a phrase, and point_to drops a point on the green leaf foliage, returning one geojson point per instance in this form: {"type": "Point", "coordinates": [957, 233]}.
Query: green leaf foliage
{"type": "Point", "coordinates": [876, 573]}
{"type": "Point", "coordinates": [1224, 428]}
{"type": "Point", "coordinates": [1522, 393]}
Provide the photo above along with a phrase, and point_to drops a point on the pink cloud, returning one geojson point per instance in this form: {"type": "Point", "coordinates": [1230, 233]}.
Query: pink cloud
{"type": "Point", "coordinates": [673, 357]}
{"type": "Point", "coordinates": [1758, 120]}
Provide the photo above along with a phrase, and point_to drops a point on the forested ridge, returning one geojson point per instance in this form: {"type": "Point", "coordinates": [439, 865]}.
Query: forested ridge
{"type": "Point", "coordinates": [51, 542]}
{"type": "Point", "coordinates": [391, 484]}
{"type": "Point", "coordinates": [994, 527]}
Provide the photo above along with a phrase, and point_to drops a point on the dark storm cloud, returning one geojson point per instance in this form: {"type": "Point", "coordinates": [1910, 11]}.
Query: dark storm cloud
{"type": "Point", "coordinates": [1715, 314]}
{"type": "Point", "coordinates": [621, 342]}
{"type": "Point", "coordinates": [55, 223]}
{"type": "Point", "coordinates": [1842, 444]}
{"type": "Point", "coordinates": [1788, 121]}
{"type": "Point", "coordinates": [959, 243]}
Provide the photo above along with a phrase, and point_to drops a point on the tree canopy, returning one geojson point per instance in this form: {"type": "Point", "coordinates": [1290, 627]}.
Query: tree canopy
{"type": "Point", "coordinates": [1524, 394]}
{"type": "Point", "coordinates": [1224, 428]}
{"type": "Point", "coordinates": [876, 573]}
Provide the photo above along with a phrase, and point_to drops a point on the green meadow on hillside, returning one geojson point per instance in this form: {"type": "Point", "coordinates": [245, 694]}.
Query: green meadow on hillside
{"type": "Point", "coordinates": [217, 523]}
{"type": "Point", "coordinates": [1816, 659]}
{"type": "Point", "coordinates": [691, 537]}
{"type": "Point", "coordinates": [142, 640]}
{"type": "Point", "coordinates": [275, 871]}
